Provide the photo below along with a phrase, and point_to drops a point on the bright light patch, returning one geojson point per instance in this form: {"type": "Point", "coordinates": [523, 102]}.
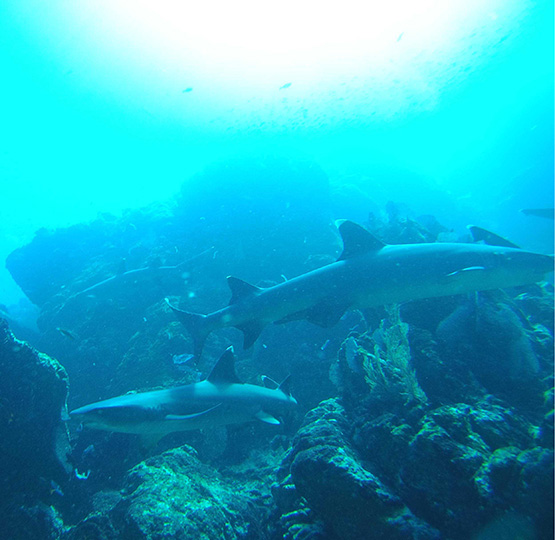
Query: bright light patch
{"type": "Point", "coordinates": [308, 64]}
{"type": "Point", "coordinates": [270, 42]}
{"type": "Point", "coordinates": [271, 39]}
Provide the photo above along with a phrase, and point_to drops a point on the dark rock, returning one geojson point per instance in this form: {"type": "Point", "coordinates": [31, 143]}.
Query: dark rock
{"type": "Point", "coordinates": [383, 442]}
{"type": "Point", "coordinates": [347, 497]}
{"type": "Point", "coordinates": [33, 439]}
{"type": "Point", "coordinates": [521, 481]}
{"type": "Point", "coordinates": [86, 253]}
{"type": "Point", "coordinates": [175, 495]}
{"type": "Point", "coordinates": [33, 522]}
{"type": "Point", "coordinates": [96, 526]}
{"type": "Point", "coordinates": [437, 477]}
{"type": "Point", "coordinates": [492, 338]}
{"type": "Point", "coordinates": [444, 378]}
{"type": "Point", "coordinates": [443, 458]}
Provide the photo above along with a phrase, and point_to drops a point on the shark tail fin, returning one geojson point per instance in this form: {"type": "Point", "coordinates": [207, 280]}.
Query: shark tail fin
{"type": "Point", "coordinates": [196, 325]}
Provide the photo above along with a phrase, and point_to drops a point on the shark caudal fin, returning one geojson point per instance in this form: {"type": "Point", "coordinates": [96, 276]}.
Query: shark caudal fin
{"type": "Point", "coordinates": [196, 325]}
{"type": "Point", "coordinates": [240, 291]}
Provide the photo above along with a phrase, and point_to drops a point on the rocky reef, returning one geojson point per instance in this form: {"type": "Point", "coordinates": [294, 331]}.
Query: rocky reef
{"type": "Point", "coordinates": [429, 420]}
{"type": "Point", "coordinates": [175, 495]}
{"type": "Point", "coordinates": [34, 442]}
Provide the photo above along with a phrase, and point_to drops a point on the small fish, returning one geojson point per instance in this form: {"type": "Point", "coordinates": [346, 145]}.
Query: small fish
{"type": "Point", "coordinates": [55, 488]}
{"type": "Point", "coordinates": [286, 85]}
{"type": "Point", "coordinates": [180, 359]}
{"type": "Point", "coordinates": [89, 451]}
{"type": "Point", "coordinates": [352, 356]}
{"type": "Point", "coordinates": [66, 333]}
{"type": "Point", "coordinates": [82, 476]}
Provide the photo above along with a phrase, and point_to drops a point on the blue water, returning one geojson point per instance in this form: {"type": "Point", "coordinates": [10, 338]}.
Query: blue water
{"type": "Point", "coordinates": [446, 108]}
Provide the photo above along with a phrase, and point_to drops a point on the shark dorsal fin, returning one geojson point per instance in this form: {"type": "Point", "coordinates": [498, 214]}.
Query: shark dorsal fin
{"type": "Point", "coordinates": [224, 370]}
{"type": "Point", "coordinates": [489, 238]}
{"type": "Point", "coordinates": [240, 289]}
{"type": "Point", "coordinates": [356, 240]}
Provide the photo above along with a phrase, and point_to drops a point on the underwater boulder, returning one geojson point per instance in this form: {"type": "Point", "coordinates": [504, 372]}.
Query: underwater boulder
{"type": "Point", "coordinates": [454, 443]}
{"type": "Point", "coordinates": [67, 260]}
{"type": "Point", "coordinates": [174, 495]}
{"type": "Point", "coordinates": [522, 482]}
{"type": "Point", "coordinates": [33, 439]}
{"type": "Point", "coordinates": [493, 340]}
{"type": "Point", "coordinates": [346, 496]}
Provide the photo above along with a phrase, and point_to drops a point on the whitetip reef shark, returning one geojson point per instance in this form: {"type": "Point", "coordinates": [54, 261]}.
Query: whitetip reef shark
{"type": "Point", "coordinates": [368, 273]}
{"type": "Point", "coordinates": [546, 213]}
{"type": "Point", "coordinates": [138, 276]}
{"type": "Point", "coordinates": [220, 399]}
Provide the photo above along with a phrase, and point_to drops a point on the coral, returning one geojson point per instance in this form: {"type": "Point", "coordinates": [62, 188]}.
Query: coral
{"type": "Point", "coordinates": [388, 368]}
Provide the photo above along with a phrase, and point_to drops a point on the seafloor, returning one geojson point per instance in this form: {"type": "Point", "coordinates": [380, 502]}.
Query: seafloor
{"type": "Point", "coordinates": [433, 419]}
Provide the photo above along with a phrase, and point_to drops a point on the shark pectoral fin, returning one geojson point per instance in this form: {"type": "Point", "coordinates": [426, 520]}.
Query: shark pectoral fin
{"type": "Point", "coordinates": [251, 331]}
{"type": "Point", "coordinates": [178, 417]}
{"type": "Point", "coordinates": [240, 289]}
{"type": "Point", "coordinates": [267, 418]}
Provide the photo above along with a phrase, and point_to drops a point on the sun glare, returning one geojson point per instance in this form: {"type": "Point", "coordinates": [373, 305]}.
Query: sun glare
{"type": "Point", "coordinates": [231, 58]}
{"type": "Point", "coordinates": [269, 39]}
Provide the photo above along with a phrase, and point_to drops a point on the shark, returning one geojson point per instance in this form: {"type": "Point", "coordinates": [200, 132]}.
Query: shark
{"type": "Point", "coordinates": [546, 213]}
{"type": "Point", "coordinates": [367, 273]}
{"type": "Point", "coordinates": [220, 399]}
{"type": "Point", "coordinates": [138, 276]}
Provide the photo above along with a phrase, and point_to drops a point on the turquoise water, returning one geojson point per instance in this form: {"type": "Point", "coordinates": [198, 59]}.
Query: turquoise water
{"type": "Point", "coordinates": [448, 109]}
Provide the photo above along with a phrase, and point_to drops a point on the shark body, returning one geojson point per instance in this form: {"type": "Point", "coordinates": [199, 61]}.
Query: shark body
{"type": "Point", "coordinates": [368, 273]}
{"type": "Point", "coordinates": [130, 277]}
{"type": "Point", "coordinates": [138, 277]}
{"type": "Point", "coordinates": [546, 213]}
{"type": "Point", "coordinates": [220, 399]}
